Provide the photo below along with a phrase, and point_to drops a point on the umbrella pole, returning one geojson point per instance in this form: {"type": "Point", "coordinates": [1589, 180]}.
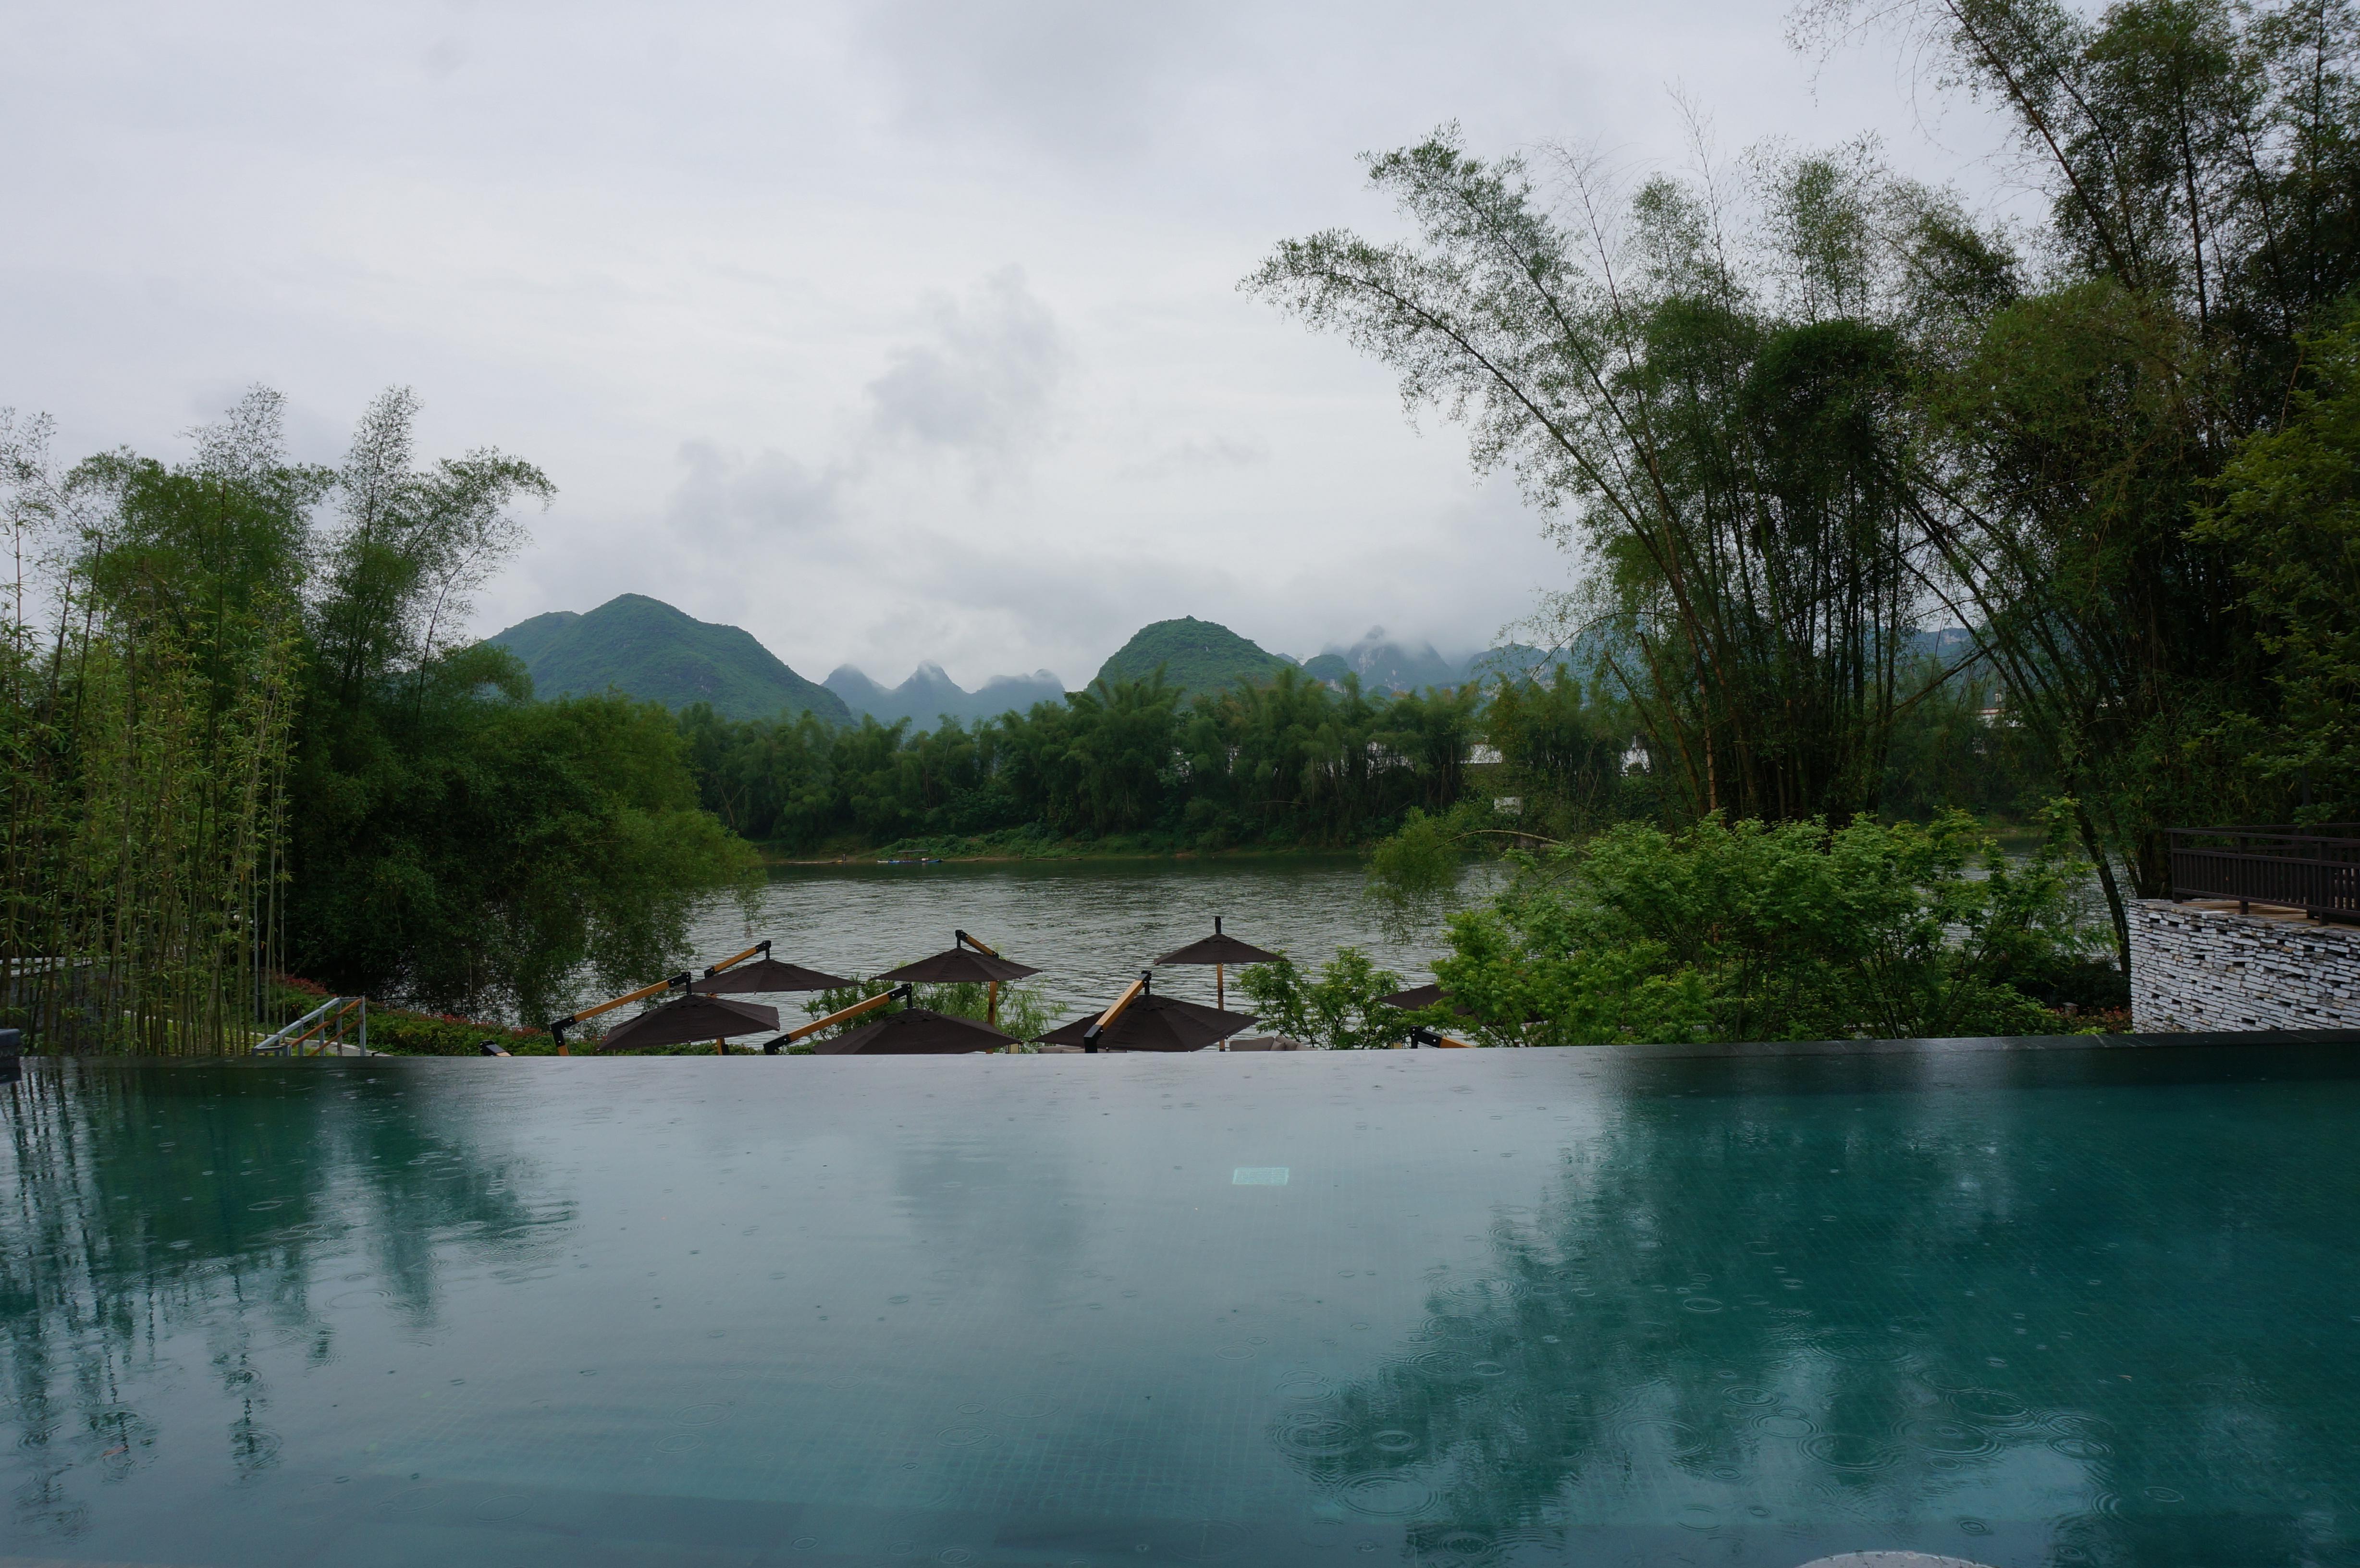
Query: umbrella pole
{"type": "Point", "coordinates": [1220, 992]}
{"type": "Point", "coordinates": [991, 1005]}
{"type": "Point", "coordinates": [720, 1047]}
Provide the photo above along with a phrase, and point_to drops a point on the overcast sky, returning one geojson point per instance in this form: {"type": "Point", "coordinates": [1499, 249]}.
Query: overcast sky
{"type": "Point", "coordinates": [890, 331]}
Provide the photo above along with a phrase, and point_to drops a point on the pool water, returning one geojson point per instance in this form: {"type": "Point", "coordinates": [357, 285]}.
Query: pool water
{"type": "Point", "coordinates": [2065, 1306]}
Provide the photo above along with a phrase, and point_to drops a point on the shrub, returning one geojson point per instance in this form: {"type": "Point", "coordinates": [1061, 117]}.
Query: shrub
{"type": "Point", "coordinates": [1340, 1010]}
{"type": "Point", "coordinates": [1792, 931]}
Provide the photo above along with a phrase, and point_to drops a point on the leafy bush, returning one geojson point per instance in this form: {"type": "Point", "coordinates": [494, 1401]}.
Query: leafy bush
{"type": "Point", "coordinates": [1337, 1011]}
{"type": "Point", "coordinates": [1792, 931]}
{"type": "Point", "coordinates": [396, 1032]}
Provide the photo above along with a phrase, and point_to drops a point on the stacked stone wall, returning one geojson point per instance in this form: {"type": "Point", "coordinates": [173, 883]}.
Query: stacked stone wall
{"type": "Point", "coordinates": [2197, 968]}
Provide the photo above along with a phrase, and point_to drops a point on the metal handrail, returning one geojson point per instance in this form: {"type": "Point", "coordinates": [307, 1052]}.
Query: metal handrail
{"type": "Point", "coordinates": [290, 1041]}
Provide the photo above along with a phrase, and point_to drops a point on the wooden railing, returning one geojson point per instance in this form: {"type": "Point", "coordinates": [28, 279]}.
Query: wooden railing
{"type": "Point", "coordinates": [2315, 869]}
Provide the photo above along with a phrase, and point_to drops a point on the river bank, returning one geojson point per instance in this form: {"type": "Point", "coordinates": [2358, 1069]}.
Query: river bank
{"type": "Point", "coordinates": [1010, 845]}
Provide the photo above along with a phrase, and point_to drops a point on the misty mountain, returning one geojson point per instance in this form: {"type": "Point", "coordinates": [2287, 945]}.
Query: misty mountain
{"type": "Point", "coordinates": [648, 649]}
{"type": "Point", "coordinates": [1387, 666]}
{"type": "Point", "coordinates": [930, 695]}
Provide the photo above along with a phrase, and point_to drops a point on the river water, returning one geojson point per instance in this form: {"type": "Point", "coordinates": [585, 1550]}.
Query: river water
{"type": "Point", "coordinates": [1088, 925]}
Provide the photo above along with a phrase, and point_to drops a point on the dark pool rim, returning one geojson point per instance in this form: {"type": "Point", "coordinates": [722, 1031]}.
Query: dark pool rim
{"type": "Point", "coordinates": [1962, 1045]}
{"type": "Point", "coordinates": [1725, 1050]}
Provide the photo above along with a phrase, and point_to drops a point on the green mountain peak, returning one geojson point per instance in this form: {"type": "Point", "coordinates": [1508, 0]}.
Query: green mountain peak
{"type": "Point", "coordinates": [1195, 655]}
{"type": "Point", "coordinates": [648, 649]}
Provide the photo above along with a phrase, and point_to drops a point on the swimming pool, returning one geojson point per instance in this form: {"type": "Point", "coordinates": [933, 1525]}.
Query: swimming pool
{"type": "Point", "coordinates": [1442, 1307]}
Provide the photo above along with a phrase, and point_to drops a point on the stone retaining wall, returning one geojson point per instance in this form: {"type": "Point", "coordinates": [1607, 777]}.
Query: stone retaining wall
{"type": "Point", "coordinates": [2205, 966]}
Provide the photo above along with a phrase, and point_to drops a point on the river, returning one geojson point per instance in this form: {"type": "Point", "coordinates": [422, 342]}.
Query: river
{"type": "Point", "coordinates": [1088, 925]}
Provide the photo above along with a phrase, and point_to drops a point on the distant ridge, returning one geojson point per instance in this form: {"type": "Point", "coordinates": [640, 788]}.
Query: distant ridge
{"type": "Point", "coordinates": [645, 648]}
{"type": "Point", "coordinates": [649, 650]}
{"type": "Point", "coordinates": [1195, 655]}
{"type": "Point", "coordinates": [930, 695]}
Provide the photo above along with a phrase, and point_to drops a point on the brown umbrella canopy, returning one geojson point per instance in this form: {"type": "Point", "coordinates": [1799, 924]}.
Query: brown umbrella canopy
{"type": "Point", "coordinates": [1416, 996]}
{"type": "Point", "coordinates": [691, 1018]}
{"type": "Point", "coordinates": [1155, 1023]}
{"type": "Point", "coordinates": [960, 965]}
{"type": "Point", "coordinates": [915, 1032]}
{"type": "Point", "coordinates": [768, 974]}
{"type": "Point", "coordinates": [1219, 948]}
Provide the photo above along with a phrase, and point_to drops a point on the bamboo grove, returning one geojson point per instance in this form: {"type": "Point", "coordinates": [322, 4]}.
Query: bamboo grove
{"type": "Point", "coordinates": [1789, 412]}
{"type": "Point", "coordinates": [245, 739]}
{"type": "Point", "coordinates": [148, 735]}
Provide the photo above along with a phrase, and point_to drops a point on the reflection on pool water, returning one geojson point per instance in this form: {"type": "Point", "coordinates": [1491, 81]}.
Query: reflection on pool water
{"type": "Point", "coordinates": [2070, 1306]}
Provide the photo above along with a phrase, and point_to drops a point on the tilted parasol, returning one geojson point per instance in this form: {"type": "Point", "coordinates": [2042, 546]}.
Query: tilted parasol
{"type": "Point", "coordinates": [691, 1018]}
{"type": "Point", "coordinates": [768, 974]}
{"type": "Point", "coordinates": [1155, 1023]}
{"type": "Point", "coordinates": [726, 976]}
{"type": "Point", "coordinates": [915, 1032]}
{"type": "Point", "coordinates": [967, 961]}
{"type": "Point", "coordinates": [1220, 951]}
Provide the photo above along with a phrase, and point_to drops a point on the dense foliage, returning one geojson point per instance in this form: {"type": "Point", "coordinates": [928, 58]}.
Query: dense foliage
{"type": "Point", "coordinates": [1293, 762]}
{"type": "Point", "coordinates": [1341, 1007]}
{"type": "Point", "coordinates": [1789, 419]}
{"type": "Point", "coordinates": [245, 738]}
{"type": "Point", "coordinates": [1787, 932]}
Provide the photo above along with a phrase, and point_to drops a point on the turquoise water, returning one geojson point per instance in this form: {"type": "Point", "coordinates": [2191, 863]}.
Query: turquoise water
{"type": "Point", "coordinates": [1430, 1307]}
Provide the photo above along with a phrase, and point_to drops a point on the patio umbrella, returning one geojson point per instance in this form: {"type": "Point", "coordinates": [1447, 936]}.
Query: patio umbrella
{"type": "Point", "coordinates": [768, 974]}
{"type": "Point", "coordinates": [1220, 951]}
{"type": "Point", "coordinates": [914, 1031]}
{"type": "Point", "coordinates": [1155, 1023]}
{"type": "Point", "coordinates": [692, 1017]}
{"type": "Point", "coordinates": [1414, 998]}
{"type": "Point", "coordinates": [966, 962]}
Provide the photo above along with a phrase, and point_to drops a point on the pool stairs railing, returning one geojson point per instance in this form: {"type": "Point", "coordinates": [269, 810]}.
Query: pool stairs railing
{"type": "Point", "coordinates": [321, 1032]}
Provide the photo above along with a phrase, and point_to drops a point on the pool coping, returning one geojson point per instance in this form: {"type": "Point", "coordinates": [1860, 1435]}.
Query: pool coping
{"type": "Point", "coordinates": [1975, 1044]}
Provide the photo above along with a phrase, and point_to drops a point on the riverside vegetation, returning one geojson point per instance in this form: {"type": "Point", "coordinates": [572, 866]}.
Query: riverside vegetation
{"type": "Point", "coordinates": [241, 739]}
{"type": "Point", "coordinates": [1786, 416]}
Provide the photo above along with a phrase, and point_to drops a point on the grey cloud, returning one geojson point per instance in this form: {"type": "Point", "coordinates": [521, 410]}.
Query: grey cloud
{"type": "Point", "coordinates": [983, 380]}
{"type": "Point", "coordinates": [1072, 76]}
{"type": "Point", "coordinates": [1205, 454]}
{"type": "Point", "coordinates": [766, 498]}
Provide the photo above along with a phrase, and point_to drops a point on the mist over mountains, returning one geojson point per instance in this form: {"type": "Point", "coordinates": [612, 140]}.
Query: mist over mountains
{"type": "Point", "coordinates": [645, 648]}
{"type": "Point", "coordinates": [930, 694]}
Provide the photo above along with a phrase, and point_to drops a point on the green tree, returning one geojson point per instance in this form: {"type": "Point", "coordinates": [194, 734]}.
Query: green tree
{"type": "Point", "coordinates": [1771, 931]}
{"type": "Point", "coordinates": [1720, 446]}
{"type": "Point", "coordinates": [456, 846]}
{"type": "Point", "coordinates": [2204, 174]}
{"type": "Point", "coordinates": [2288, 507]}
{"type": "Point", "coordinates": [1338, 1010]}
{"type": "Point", "coordinates": [144, 731]}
